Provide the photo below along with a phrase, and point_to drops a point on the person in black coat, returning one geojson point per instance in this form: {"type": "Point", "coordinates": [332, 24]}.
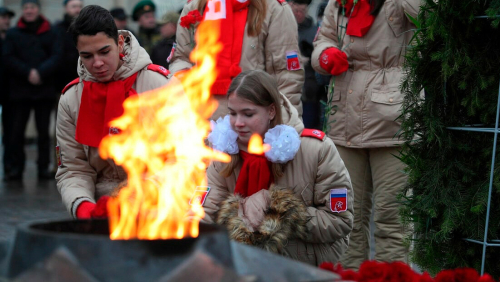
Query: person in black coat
{"type": "Point", "coordinates": [31, 54]}
{"type": "Point", "coordinates": [161, 51]}
{"type": "Point", "coordinates": [5, 17]}
{"type": "Point", "coordinates": [67, 71]}
{"type": "Point", "coordinates": [312, 92]}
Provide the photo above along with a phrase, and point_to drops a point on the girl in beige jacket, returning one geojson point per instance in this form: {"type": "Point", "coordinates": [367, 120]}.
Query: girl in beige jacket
{"type": "Point", "coordinates": [366, 60]}
{"type": "Point", "coordinates": [297, 199]}
{"type": "Point", "coordinates": [258, 35]}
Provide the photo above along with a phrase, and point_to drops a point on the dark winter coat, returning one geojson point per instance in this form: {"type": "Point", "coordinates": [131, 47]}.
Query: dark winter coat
{"type": "Point", "coordinates": [307, 30]}
{"type": "Point", "coordinates": [27, 48]}
{"type": "Point", "coordinates": [161, 51]}
{"type": "Point", "coordinates": [4, 89]}
{"type": "Point", "coordinates": [67, 70]}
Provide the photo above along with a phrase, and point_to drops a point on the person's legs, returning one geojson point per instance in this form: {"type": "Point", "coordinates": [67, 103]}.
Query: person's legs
{"type": "Point", "coordinates": [7, 132]}
{"type": "Point", "coordinates": [388, 181]}
{"type": "Point", "coordinates": [43, 110]}
{"type": "Point", "coordinates": [357, 163]}
{"type": "Point", "coordinates": [20, 115]}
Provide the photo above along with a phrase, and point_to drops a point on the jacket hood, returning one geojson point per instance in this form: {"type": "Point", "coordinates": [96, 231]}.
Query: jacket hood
{"type": "Point", "coordinates": [135, 58]}
{"type": "Point", "coordinates": [41, 24]}
{"type": "Point", "coordinates": [290, 115]}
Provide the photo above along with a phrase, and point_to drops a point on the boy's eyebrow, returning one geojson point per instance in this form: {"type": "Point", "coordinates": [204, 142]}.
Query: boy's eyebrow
{"type": "Point", "coordinates": [107, 46]}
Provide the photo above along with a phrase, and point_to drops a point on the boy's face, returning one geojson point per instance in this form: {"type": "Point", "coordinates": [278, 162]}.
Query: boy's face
{"type": "Point", "coordinates": [100, 55]}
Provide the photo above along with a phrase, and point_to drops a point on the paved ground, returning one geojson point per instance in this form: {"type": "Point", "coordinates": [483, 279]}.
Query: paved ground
{"type": "Point", "coordinates": [26, 201]}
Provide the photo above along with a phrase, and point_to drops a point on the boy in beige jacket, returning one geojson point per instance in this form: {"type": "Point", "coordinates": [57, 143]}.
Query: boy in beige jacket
{"type": "Point", "coordinates": [112, 67]}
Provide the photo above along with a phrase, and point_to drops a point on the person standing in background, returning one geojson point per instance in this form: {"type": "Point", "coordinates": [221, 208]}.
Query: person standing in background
{"type": "Point", "coordinates": [5, 16]}
{"type": "Point", "coordinates": [144, 15]}
{"type": "Point", "coordinates": [311, 92]}
{"type": "Point", "coordinates": [121, 19]}
{"type": "Point", "coordinates": [162, 50]}
{"type": "Point", "coordinates": [255, 34]}
{"type": "Point", "coordinates": [67, 69]}
{"type": "Point", "coordinates": [363, 45]}
{"type": "Point", "coordinates": [32, 54]}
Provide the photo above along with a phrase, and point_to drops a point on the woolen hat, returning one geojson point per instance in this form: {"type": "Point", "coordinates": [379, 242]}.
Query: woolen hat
{"type": "Point", "coordinates": [5, 11]}
{"type": "Point", "coordinates": [141, 8]}
{"type": "Point", "coordinates": [65, 2]}
{"type": "Point", "coordinates": [170, 17]}
{"type": "Point", "coordinates": [37, 2]}
{"type": "Point", "coordinates": [118, 13]}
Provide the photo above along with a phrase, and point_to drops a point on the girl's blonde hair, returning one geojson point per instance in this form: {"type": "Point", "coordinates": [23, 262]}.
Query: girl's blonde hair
{"type": "Point", "coordinates": [260, 88]}
{"type": "Point", "coordinates": [256, 15]}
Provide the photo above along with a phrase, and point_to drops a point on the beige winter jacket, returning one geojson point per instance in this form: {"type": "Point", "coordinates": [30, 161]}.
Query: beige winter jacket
{"type": "Point", "coordinates": [82, 174]}
{"type": "Point", "coordinates": [368, 95]}
{"type": "Point", "coordinates": [316, 169]}
{"type": "Point", "coordinates": [267, 52]}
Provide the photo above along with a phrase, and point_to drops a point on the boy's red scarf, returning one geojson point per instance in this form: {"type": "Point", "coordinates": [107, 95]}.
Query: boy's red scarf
{"type": "Point", "coordinates": [361, 20]}
{"type": "Point", "coordinates": [232, 31]}
{"type": "Point", "coordinates": [100, 104]}
{"type": "Point", "coordinates": [255, 175]}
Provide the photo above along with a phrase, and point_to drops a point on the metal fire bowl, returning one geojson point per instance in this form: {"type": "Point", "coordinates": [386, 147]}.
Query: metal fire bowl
{"type": "Point", "coordinates": [210, 257]}
{"type": "Point", "coordinates": [123, 260]}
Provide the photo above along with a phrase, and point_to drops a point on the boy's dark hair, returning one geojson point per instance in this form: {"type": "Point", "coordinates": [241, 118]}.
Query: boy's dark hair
{"type": "Point", "coordinates": [92, 20]}
{"type": "Point", "coordinates": [301, 2]}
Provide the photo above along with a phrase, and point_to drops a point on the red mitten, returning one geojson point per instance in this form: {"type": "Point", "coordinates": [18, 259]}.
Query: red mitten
{"type": "Point", "coordinates": [84, 210]}
{"type": "Point", "coordinates": [101, 208]}
{"type": "Point", "coordinates": [333, 61]}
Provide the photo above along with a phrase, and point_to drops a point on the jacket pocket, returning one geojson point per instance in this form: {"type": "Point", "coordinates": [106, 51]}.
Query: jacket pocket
{"type": "Point", "coordinates": [388, 94]}
{"type": "Point", "coordinates": [394, 16]}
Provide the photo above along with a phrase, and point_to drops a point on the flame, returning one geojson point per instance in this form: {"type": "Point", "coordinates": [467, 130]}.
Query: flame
{"type": "Point", "coordinates": [255, 145]}
{"type": "Point", "coordinates": [162, 149]}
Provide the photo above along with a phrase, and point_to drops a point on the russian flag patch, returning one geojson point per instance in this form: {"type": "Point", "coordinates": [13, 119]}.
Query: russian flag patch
{"type": "Point", "coordinates": [171, 53]}
{"type": "Point", "coordinates": [292, 61]}
{"type": "Point", "coordinates": [200, 195]}
{"type": "Point", "coordinates": [338, 200]}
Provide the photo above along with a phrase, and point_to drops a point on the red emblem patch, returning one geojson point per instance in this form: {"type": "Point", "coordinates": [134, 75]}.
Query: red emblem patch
{"type": "Point", "coordinates": [58, 156]}
{"type": "Point", "coordinates": [159, 69]}
{"type": "Point", "coordinates": [171, 53]}
{"type": "Point", "coordinates": [318, 134]}
{"type": "Point", "coordinates": [338, 200]}
{"type": "Point", "coordinates": [200, 195]}
{"type": "Point", "coordinates": [292, 60]}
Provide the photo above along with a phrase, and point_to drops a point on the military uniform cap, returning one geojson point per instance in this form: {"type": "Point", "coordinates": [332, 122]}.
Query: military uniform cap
{"type": "Point", "coordinates": [143, 7]}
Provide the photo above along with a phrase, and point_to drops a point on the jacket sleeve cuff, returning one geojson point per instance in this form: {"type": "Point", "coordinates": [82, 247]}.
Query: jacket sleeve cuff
{"type": "Point", "coordinates": [77, 203]}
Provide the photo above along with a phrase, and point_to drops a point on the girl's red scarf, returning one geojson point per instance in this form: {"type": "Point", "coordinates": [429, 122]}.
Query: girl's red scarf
{"type": "Point", "coordinates": [232, 31]}
{"type": "Point", "coordinates": [254, 176]}
{"type": "Point", "coordinates": [100, 104]}
{"type": "Point", "coordinates": [360, 20]}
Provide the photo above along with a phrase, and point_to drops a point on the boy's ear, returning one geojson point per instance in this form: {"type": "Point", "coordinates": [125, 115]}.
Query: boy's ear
{"type": "Point", "coordinates": [121, 42]}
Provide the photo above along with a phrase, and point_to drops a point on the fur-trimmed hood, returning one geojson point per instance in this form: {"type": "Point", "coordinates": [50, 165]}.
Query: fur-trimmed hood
{"type": "Point", "coordinates": [285, 219]}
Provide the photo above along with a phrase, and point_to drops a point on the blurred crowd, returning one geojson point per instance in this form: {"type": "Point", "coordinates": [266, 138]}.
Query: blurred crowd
{"type": "Point", "coordinates": [39, 58]}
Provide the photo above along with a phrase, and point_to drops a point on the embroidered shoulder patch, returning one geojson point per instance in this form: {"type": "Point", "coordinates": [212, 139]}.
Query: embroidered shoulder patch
{"type": "Point", "coordinates": [171, 53]}
{"type": "Point", "coordinates": [282, 2]}
{"type": "Point", "coordinates": [200, 195]}
{"type": "Point", "coordinates": [58, 156]}
{"type": "Point", "coordinates": [73, 82]}
{"type": "Point", "coordinates": [317, 33]}
{"type": "Point", "coordinates": [292, 61]}
{"type": "Point", "coordinates": [159, 69]}
{"type": "Point", "coordinates": [338, 200]}
{"type": "Point", "coordinates": [315, 133]}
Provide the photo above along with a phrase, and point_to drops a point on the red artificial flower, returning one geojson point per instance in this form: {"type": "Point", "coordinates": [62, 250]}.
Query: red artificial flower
{"type": "Point", "coordinates": [445, 276]}
{"type": "Point", "coordinates": [372, 271]}
{"type": "Point", "coordinates": [399, 271]}
{"type": "Point", "coordinates": [486, 278]}
{"type": "Point", "coordinates": [466, 275]}
{"type": "Point", "coordinates": [326, 266]}
{"type": "Point", "coordinates": [191, 18]}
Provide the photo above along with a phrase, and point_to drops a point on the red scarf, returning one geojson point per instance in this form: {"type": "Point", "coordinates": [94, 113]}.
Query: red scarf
{"type": "Point", "coordinates": [232, 31]}
{"type": "Point", "coordinates": [361, 20]}
{"type": "Point", "coordinates": [254, 176]}
{"type": "Point", "coordinates": [100, 104]}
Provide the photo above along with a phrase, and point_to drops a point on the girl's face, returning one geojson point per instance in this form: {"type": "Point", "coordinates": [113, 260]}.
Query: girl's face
{"type": "Point", "coordinates": [246, 118]}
